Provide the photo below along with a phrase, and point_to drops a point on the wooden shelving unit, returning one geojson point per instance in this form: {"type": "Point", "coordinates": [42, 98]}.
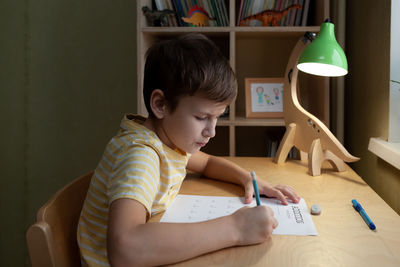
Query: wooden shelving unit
{"type": "Point", "coordinates": [254, 52]}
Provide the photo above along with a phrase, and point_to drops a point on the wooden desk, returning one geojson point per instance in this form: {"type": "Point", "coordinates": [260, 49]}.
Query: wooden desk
{"type": "Point", "coordinates": [344, 238]}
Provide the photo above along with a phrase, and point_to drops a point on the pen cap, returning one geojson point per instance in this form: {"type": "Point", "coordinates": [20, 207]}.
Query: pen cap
{"type": "Point", "coordinates": [372, 226]}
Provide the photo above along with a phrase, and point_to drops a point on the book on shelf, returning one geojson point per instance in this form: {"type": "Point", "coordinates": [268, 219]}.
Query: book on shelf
{"type": "Point", "coordinates": [240, 13]}
{"type": "Point", "coordinates": [167, 4]}
{"type": "Point", "coordinates": [304, 17]}
{"type": "Point", "coordinates": [225, 12]}
{"type": "Point", "coordinates": [208, 8]}
{"type": "Point", "coordinates": [295, 16]}
{"type": "Point", "coordinates": [174, 19]}
{"type": "Point", "coordinates": [180, 12]}
{"type": "Point", "coordinates": [299, 14]}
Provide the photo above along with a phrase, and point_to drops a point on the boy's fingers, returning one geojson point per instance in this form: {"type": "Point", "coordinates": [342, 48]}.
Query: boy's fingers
{"type": "Point", "coordinates": [281, 197]}
{"type": "Point", "coordinates": [248, 194]}
{"type": "Point", "coordinates": [275, 192]}
{"type": "Point", "coordinates": [292, 195]}
{"type": "Point", "coordinates": [275, 223]}
{"type": "Point", "coordinates": [289, 192]}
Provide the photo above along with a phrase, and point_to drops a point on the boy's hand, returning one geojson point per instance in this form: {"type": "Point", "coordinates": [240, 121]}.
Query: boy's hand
{"type": "Point", "coordinates": [254, 225]}
{"type": "Point", "coordinates": [281, 192]}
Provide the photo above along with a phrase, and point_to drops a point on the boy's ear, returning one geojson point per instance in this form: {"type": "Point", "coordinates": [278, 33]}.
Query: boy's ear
{"type": "Point", "coordinates": [158, 103]}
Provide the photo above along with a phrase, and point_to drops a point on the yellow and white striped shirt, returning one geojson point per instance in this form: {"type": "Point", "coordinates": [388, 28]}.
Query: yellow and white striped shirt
{"type": "Point", "coordinates": [135, 165]}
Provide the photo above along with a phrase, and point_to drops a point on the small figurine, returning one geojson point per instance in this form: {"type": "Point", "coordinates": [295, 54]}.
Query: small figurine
{"type": "Point", "coordinates": [197, 16]}
{"type": "Point", "coordinates": [156, 17]}
{"type": "Point", "coordinates": [269, 16]}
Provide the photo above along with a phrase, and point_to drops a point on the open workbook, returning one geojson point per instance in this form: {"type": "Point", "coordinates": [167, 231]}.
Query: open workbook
{"type": "Point", "coordinates": [293, 219]}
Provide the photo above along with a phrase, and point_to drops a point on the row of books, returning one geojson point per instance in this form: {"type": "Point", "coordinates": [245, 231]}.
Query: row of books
{"type": "Point", "coordinates": [287, 12]}
{"type": "Point", "coordinates": [296, 15]}
{"type": "Point", "coordinates": [217, 10]}
{"type": "Point", "coordinates": [272, 149]}
{"type": "Point", "coordinates": [272, 139]}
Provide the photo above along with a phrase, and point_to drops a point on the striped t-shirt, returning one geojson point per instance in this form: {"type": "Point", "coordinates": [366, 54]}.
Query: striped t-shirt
{"type": "Point", "coordinates": [135, 165]}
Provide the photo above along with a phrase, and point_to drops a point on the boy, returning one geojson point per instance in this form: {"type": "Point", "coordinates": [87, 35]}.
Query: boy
{"type": "Point", "coordinates": [187, 86]}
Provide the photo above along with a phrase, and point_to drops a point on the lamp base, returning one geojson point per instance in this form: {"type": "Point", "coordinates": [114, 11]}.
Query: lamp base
{"type": "Point", "coordinates": [316, 155]}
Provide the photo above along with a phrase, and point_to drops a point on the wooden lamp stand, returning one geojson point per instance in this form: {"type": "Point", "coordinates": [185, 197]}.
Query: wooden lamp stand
{"type": "Point", "coordinates": [305, 131]}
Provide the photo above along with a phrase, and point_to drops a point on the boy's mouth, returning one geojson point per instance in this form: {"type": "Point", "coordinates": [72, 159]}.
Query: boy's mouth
{"type": "Point", "coordinates": [202, 144]}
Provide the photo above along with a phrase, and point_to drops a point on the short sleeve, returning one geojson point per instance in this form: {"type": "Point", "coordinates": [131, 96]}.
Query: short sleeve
{"type": "Point", "coordinates": [136, 175]}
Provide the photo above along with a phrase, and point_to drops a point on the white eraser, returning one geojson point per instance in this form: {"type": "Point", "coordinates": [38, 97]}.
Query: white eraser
{"type": "Point", "coordinates": [316, 209]}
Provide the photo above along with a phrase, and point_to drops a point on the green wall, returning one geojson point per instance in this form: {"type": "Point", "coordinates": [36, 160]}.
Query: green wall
{"type": "Point", "coordinates": [367, 93]}
{"type": "Point", "coordinates": [12, 133]}
{"type": "Point", "coordinates": [68, 74]}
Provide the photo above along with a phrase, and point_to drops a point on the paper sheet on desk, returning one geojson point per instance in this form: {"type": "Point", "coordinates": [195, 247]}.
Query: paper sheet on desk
{"type": "Point", "coordinates": [293, 219]}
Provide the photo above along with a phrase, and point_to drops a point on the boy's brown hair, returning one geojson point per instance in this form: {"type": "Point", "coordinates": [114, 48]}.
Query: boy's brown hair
{"type": "Point", "coordinates": [187, 65]}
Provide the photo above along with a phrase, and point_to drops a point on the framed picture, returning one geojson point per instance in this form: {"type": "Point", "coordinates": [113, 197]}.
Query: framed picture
{"type": "Point", "coordinates": [264, 97]}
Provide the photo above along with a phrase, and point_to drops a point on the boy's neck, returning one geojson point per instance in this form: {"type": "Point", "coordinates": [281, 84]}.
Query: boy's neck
{"type": "Point", "coordinates": [149, 123]}
{"type": "Point", "coordinates": [155, 125]}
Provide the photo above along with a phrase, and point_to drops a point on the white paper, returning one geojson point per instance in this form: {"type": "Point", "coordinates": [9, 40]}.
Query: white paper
{"type": "Point", "coordinates": [293, 219]}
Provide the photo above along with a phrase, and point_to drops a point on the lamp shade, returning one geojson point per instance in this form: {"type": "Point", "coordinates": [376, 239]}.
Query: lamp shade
{"type": "Point", "coordinates": [324, 56]}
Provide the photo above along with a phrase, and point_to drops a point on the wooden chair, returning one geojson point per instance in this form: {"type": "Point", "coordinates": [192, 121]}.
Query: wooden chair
{"type": "Point", "coordinates": [52, 239]}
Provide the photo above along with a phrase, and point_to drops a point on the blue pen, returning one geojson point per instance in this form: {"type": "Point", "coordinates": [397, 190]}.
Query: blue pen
{"type": "Point", "coordinates": [253, 175]}
{"type": "Point", "coordinates": [363, 214]}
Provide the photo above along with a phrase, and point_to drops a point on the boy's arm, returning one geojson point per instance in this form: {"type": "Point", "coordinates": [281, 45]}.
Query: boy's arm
{"type": "Point", "coordinates": [225, 170]}
{"type": "Point", "coordinates": [218, 168]}
{"type": "Point", "coordinates": [133, 242]}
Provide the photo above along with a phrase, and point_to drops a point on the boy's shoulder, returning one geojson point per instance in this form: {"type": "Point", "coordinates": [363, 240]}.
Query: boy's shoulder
{"type": "Point", "coordinates": [133, 133]}
{"type": "Point", "coordinates": [134, 136]}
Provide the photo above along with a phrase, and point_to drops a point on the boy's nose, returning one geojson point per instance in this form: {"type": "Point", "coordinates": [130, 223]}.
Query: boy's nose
{"type": "Point", "coordinates": [209, 131]}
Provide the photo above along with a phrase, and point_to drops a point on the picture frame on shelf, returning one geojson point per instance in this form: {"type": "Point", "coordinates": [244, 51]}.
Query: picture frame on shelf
{"type": "Point", "coordinates": [264, 97]}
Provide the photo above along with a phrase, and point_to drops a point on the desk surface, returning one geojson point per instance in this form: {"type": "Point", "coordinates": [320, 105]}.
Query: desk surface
{"type": "Point", "coordinates": [343, 238]}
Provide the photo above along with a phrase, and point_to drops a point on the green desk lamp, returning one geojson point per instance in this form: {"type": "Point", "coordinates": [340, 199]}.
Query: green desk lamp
{"type": "Point", "coordinates": [323, 57]}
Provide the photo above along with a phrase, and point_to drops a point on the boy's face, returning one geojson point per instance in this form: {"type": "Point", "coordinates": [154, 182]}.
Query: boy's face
{"type": "Point", "coordinates": [192, 124]}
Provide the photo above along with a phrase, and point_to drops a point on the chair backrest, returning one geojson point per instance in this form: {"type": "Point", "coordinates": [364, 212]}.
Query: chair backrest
{"type": "Point", "coordinates": [52, 239]}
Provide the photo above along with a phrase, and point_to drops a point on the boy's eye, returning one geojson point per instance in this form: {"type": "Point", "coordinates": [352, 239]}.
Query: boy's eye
{"type": "Point", "coordinates": [200, 118]}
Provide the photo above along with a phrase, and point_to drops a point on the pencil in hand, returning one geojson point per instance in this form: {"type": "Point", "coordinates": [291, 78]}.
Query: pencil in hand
{"type": "Point", "coordinates": [256, 193]}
